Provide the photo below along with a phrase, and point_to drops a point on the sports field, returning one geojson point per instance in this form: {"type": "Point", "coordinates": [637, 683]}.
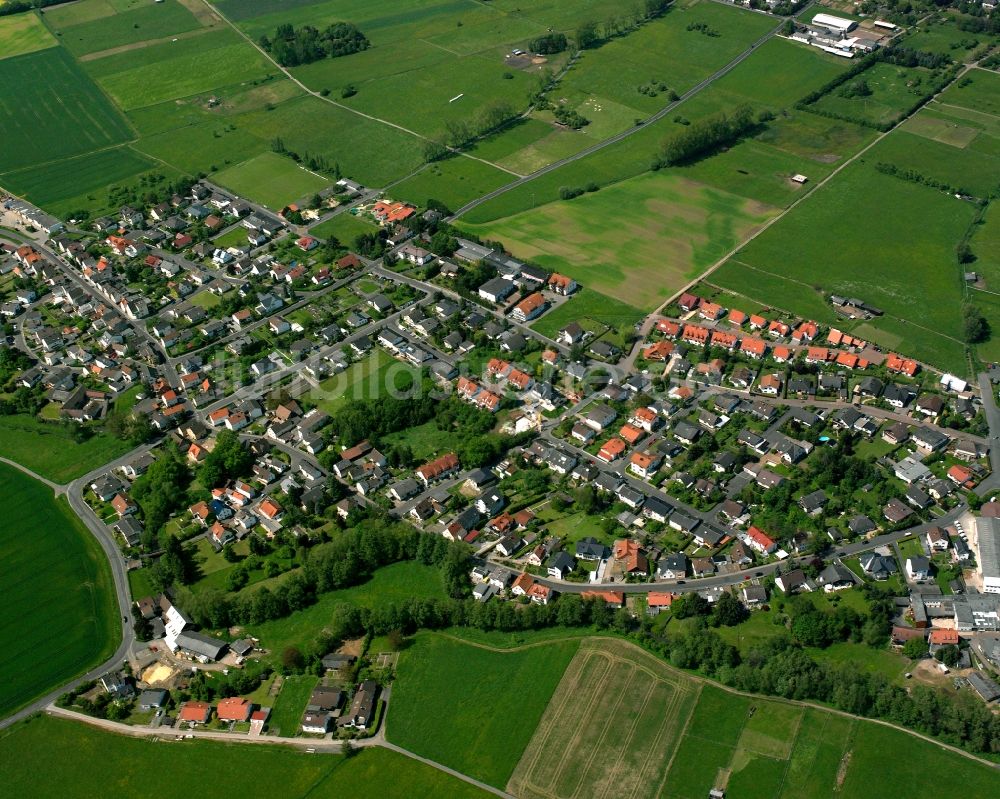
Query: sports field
{"type": "Point", "coordinates": [637, 241]}
{"type": "Point", "coordinates": [128, 766]}
{"type": "Point", "coordinates": [23, 33]}
{"type": "Point", "coordinates": [272, 180]}
{"type": "Point", "coordinates": [610, 730]}
{"type": "Point", "coordinates": [61, 617]}
{"type": "Point", "coordinates": [472, 707]}
{"type": "Point", "coordinates": [49, 109]}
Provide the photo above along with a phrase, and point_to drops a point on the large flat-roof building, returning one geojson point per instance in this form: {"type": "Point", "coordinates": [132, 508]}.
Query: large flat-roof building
{"type": "Point", "coordinates": [835, 24]}
{"type": "Point", "coordinates": [988, 533]}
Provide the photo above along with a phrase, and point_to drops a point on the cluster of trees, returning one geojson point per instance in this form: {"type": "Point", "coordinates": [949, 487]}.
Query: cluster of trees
{"type": "Point", "coordinates": [549, 44]}
{"type": "Point", "coordinates": [227, 460]}
{"type": "Point", "coordinates": [12, 362]}
{"type": "Point", "coordinates": [20, 6]}
{"type": "Point", "coordinates": [569, 192]}
{"type": "Point", "coordinates": [655, 87]}
{"type": "Point", "coordinates": [238, 682]}
{"type": "Point", "coordinates": [291, 47]}
{"type": "Point", "coordinates": [858, 88]}
{"type": "Point", "coordinates": [569, 117]}
{"type": "Point", "coordinates": [372, 418]}
{"type": "Point", "coordinates": [134, 428]}
{"type": "Point", "coordinates": [162, 489]}
{"type": "Point", "coordinates": [706, 136]}
{"type": "Point", "coordinates": [975, 326]}
{"type": "Point", "coordinates": [703, 27]}
{"type": "Point", "coordinates": [101, 706]}
{"type": "Point", "coordinates": [349, 559]}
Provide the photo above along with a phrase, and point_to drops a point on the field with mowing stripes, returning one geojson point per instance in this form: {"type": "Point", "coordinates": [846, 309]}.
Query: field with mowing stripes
{"type": "Point", "coordinates": [49, 109]}
{"type": "Point", "coordinates": [60, 616]}
{"type": "Point", "coordinates": [610, 730]}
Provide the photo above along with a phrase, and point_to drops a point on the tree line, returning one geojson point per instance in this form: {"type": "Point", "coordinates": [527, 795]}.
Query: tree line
{"type": "Point", "coordinates": [706, 136]}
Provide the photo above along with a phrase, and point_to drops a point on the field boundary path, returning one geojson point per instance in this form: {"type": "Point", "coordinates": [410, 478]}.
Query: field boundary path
{"type": "Point", "coordinates": [58, 488]}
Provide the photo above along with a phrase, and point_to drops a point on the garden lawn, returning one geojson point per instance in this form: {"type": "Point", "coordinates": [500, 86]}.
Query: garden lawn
{"type": "Point", "coordinates": [61, 614]}
{"type": "Point", "coordinates": [375, 376]}
{"type": "Point", "coordinates": [471, 708]}
{"type": "Point", "coordinates": [272, 180]}
{"type": "Point", "coordinates": [286, 716]}
{"type": "Point", "coordinates": [637, 241]}
{"type": "Point", "coordinates": [130, 765]}
{"type": "Point", "coordinates": [587, 304]}
{"type": "Point", "coordinates": [23, 33]}
{"type": "Point", "coordinates": [345, 227]}
{"type": "Point", "coordinates": [390, 584]}
{"type": "Point", "coordinates": [49, 450]}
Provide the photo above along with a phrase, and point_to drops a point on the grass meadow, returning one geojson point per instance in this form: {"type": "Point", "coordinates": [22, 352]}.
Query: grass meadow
{"type": "Point", "coordinates": [672, 230]}
{"type": "Point", "coordinates": [470, 707]}
{"type": "Point", "coordinates": [908, 268]}
{"type": "Point", "coordinates": [453, 182]}
{"type": "Point", "coordinates": [391, 584]}
{"type": "Point", "coordinates": [345, 227]}
{"type": "Point", "coordinates": [130, 765]}
{"type": "Point", "coordinates": [892, 93]}
{"type": "Point", "coordinates": [588, 304]}
{"type": "Point", "coordinates": [364, 379]}
{"type": "Point", "coordinates": [272, 180]}
{"type": "Point", "coordinates": [23, 33]}
{"type": "Point", "coordinates": [61, 614]}
{"type": "Point", "coordinates": [64, 114]}
{"type": "Point", "coordinates": [49, 450]}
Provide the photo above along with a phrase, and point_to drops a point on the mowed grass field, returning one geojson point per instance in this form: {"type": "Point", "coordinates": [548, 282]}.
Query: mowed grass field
{"type": "Point", "coordinates": [130, 765]}
{"type": "Point", "coordinates": [637, 241]}
{"type": "Point", "coordinates": [888, 241]}
{"type": "Point", "coordinates": [472, 707]}
{"type": "Point", "coordinates": [49, 450]}
{"type": "Point", "coordinates": [374, 376]}
{"type": "Point", "coordinates": [61, 617]}
{"type": "Point", "coordinates": [23, 33]}
{"type": "Point", "coordinates": [50, 109]}
{"type": "Point", "coordinates": [611, 728]}
{"type": "Point", "coordinates": [453, 182]}
{"type": "Point", "coordinates": [126, 27]}
{"type": "Point", "coordinates": [271, 179]}
{"type": "Point", "coordinates": [345, 227]}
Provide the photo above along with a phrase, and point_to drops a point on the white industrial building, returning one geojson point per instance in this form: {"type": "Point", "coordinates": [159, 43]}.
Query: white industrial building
{"type": "Point", "coordinates": [988, 535]}
{"type": "Point", "coordinates": [835, 24]}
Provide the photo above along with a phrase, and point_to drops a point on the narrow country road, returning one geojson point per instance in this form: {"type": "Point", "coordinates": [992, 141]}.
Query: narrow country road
{"type": "Point", "coordinates": [56, 487]}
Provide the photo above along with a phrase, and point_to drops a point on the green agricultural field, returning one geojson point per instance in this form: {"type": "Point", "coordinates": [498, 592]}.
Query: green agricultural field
{"type": "Point", "coordinates": [92, 173]}
{"type": "Point", "coordinates": [62, 617]}
{"type": "Point", "coordinates": [985, 244]}
{"type": "Point", "coordinates": [23, 33]}
{"type": "Point", "coordinates": [272, 180]}
{"type": "Point", "coordinates": [49, 449]}
{"type": "Point", "coordinates": [375, 376]}
{"type": "Point", "coordinates": [64, 114]}
{"type": "Point", "coordinates": [970, 171]}
{"type": "Point", "coordinates": [390, 584]}
{"type": "Point", "coordinates": [486, 702]}
{"type": "Point", "coordinates": [139, 24]}
{"type": "Point", "coordinates": [453, 182]}
{"type": "Point", "coordinates": [820, 247]}
{"type": "Point", "coordinates": [979, 90]}
{"type": "Point", "coordinates": [674, 229]}
{"type": "Point", "coordinates": [893, 90]}
{"type": "Point", "coordinates": [209, 62]}
{"type": "Point", "coordinates": [611, 727]}
{"type": "Point", "coordinates": [130, 765]}
{"type": "Point", "coordinates": [291, 704]}
{"type": "Point", "coordinates": [345, 227]}
{"type": "Point", "coordinates": [588, 304]}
